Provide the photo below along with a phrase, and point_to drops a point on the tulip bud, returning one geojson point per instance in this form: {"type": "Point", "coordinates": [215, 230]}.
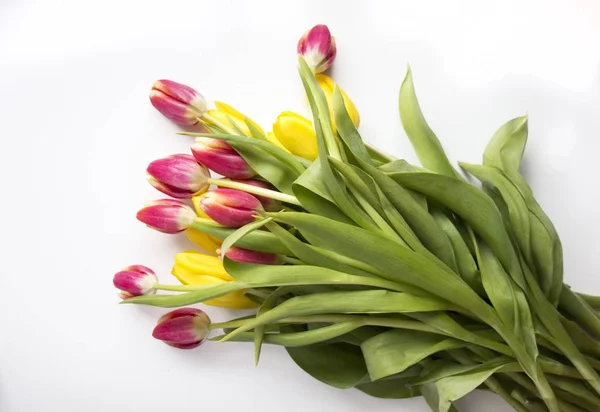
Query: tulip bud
{"type": "Point", "coordinates": [179, 176]}
{"type": "Point", "coordinates": [221, 158]}
{"type": "Point", "coordinates": [167, 215]}
{"type": "Point", "coordinates": [229, 207]}
{"type": "Point", "coordinates": [230, 120]}
{"type": "Point", "coordinates": [135, 280]}
{"type": "Point", "coordinates": [317, 46]}
{"type": "Point", "coordinates": [297, 134]}
{"type": "Point", "coordinates": [251, 256]}
{"type": "Point", "coordinates": [183, 328]}
{"type": "Point", "coordinates": [193, 268]}
{"type": "Point", "coordinates": [270, 205]}
{"type": "Point", "coordinates": [177, 102]}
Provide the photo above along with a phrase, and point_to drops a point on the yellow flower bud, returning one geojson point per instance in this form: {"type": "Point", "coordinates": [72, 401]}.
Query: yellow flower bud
{"type": "Point", "coordinates": [328, 85]}
{"type": "Point", "coordinates": [296, 133]}
{"type": "Point", "coordinates": [229, 119]}
{"type": "Point", "coordinates": [193, 268]}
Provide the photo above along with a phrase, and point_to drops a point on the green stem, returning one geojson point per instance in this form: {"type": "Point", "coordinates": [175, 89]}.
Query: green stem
{"type": "Point", "coordinates": [261, 191]}
{"type": "Point", "coordinates": [180, 288]}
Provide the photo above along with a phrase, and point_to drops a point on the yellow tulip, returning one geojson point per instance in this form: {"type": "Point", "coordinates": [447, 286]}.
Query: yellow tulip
{"type": "Point", "coordinates": [229, 119]}
{"type": "Point", "coordinates": [327, 85]}
{"type": "Point", "coordinates": [296, 134]}
{"type": "Point", "coordinates": [193, 268]}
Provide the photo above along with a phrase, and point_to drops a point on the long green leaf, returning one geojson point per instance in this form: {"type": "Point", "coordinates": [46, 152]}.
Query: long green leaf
{"type": "Point", "coordinates": [394, 351]}
{"type": "Point", "coordinates": [340, 365]}
{"type": "Point", "coordinates": [371, 301]}
{"type": "Point", "coordinates": [425, 143]}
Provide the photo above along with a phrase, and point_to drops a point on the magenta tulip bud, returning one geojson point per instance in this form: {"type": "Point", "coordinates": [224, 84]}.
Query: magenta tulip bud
{"type": "Point", "coordinates": [135, 280]}
{"type": "Point", "coordinates": [270, 205]}
{"type": "Point", "coordinates": [221, 158]}
{"type": "Point", "coordinates": [179, 176]}
{"type": "Point", "coordinates": [229, 207]}
{"type": "Point", "coordinates": [183, 328]}
{"type": "Point", "coordinates": [317, 46]}
{"type": "Point", "coordinates": [251, 256]}
{"type": "Point", "coordinates": [177, 102]}
{"type": "Point", "coordinates": [167, 215]}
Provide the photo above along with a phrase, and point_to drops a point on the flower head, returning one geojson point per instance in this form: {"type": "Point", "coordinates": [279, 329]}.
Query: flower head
{"type": "Point", "coordinates": [221, 158]}
{"type": "Point", "coordinates": [230, 207]}
{"type": "Point", "coordinates": [183, 328]}
{"type": "Point", "coordinates": [167, 215]}
{"type": "Point", "coordinates": [177, 102]}
{"type": "Point", "coordinates": [179, 176]}
{"type": "Point", "coordinates": [230, 120]}
{"type": "Point", "coordinates": [135, 280]}
{"type": "Point", "coordinates": [297, 134]}
{"type": "Point", "coordinates": [317, 46]}
{"type": "Point", "coordinates": [270, 205]}
{"type": "Point", "coordinates": [194, 268]}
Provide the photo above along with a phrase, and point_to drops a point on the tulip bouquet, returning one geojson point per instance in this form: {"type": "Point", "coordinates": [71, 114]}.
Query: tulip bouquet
{"type": "Point", "coordinates": [396, 279]}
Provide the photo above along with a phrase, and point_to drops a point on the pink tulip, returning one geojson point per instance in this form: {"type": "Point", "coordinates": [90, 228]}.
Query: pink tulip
{"type": "Point", "coordinates": [135, 280]}
{"type": "Point", "coordinates": [167, 215]}
{"type": "Point", "coordinates": [251, 256]}
{"type": "Point", "coordinates": [221, 158]}
{"type": "Point", "coordinates": [230, 207]}
{"type": "Point", "coordinates": [183, 328]}
{"type": "Point", "coordinates": [179, 176]}
{"type": "Point", "coordinates": [177, 102]}
{"type": "Point", "coordinates": [317, 46]}
{"type": "Point", "coordinates": [270, 205]}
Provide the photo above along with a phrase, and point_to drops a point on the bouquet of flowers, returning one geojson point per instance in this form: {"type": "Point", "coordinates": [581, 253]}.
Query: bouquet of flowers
{"type": "Point", "coordinates": [396, 279]}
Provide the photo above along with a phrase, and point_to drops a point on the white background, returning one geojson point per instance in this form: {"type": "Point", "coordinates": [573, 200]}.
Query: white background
{"type": "Point", "coordinates": [77, 130]}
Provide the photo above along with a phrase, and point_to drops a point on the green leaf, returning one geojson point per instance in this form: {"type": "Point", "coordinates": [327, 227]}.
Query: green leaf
{"type": "Point", "coordinates": [310, 190]}
{"type": "Point", "coordinates": [370, 301]}
{"type": "Point", "coordinates": [298, 339]}
{"type": "Point", "coordinates": [257, 240]}
{"type": "Point", "coordinates": [328, 146]}
{"type": "Point", "coordinates": [420, 221]}
{"type": "Point", "coordinates": [425, 143]}
{"type": "Point", "coordinates": [580, 310]}
{"type": "Point", "coordinates": [505, 149]}
{"type": "Point", "coordinates": [518, 212]}
{"type": "Point", "coordinates": [394, 351]}
{"type": "Point", "coordinates": [340, 365]}
{"type": "Point", "coordinates": [455, 387]}
{"type": "Point", "coordinates": [287, 275]}
{"type": "Point", "coordinates": [189, 298]}
{"type": "Point", "coordinates": [465, 264]}
{"type": "Point", "coordinates": [242, 232]}
{"type": "Point", "coordinates": [313, 255]}
{"type": "Point", "coordinates": [476, 208]}
{"type": "Point", "coordinates": [396, 263]}
{"type": "Point", "coordinates": [346, 129]}
{"type": "Point", "coordinates": [254, 131]}
{"type": "Point", "coordinates": [398, 386]}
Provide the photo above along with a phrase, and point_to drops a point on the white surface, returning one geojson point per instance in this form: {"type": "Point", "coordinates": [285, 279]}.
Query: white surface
{"type": "Point", "coordinates": [77, 131]}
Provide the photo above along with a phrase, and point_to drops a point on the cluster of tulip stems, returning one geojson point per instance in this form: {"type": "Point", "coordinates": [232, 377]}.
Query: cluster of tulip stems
{"type": "Point", "coordinates": [395, 279]}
